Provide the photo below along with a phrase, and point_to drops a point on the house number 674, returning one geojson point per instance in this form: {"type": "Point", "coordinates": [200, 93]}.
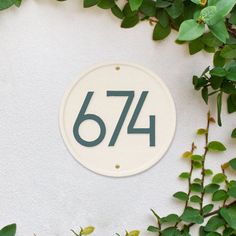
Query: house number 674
{"type": "Point", "coordinates": [82, 116]}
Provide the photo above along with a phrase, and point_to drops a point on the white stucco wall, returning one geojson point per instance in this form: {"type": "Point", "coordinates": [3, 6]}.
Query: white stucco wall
{"type": "Point", "coordinates": [44, 45]}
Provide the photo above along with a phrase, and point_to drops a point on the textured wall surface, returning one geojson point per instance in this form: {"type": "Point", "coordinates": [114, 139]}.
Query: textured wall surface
{"type": "Point", "coordinates": [43, 47]}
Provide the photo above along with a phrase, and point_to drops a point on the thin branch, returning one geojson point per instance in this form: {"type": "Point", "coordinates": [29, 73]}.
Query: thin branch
{"type": "Point", "coordinates": [193, 147]}
{"type": "Point", "coordinates": [190, 176]}
{"type": "Point", "coordinates": [204, 160]}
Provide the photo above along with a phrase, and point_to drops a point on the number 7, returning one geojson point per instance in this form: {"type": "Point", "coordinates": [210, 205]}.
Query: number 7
{"type": "Point", "coordinates": [130, 95]}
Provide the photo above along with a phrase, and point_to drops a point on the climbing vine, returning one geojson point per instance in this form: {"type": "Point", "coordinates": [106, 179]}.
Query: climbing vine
{"type": "Point", "coordinates": [208, 25]}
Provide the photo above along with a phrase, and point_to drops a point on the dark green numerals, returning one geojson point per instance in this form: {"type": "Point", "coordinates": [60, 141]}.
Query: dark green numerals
{"type": "Point", "coordinates": [130, 130]}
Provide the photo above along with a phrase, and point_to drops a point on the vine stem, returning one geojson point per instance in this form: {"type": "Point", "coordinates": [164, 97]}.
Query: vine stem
{"type": "Point", "coordinates": [193, 147]}
{"type": "Point", "coordinates": [217, 211]}
{"type": "Point", "coordinates": [158, 220]}
{"type": "Point", "coordinates": [232, 31]}
{"type": "Point", "coordinates": [204, 160]}
{"type": "Point", "coordinates": [75, 233]}
{"type": "Point", "coordinates": [190, 176]}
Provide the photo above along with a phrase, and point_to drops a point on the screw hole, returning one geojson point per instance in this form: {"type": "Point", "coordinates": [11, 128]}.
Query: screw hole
{"type": "Point", "coordinates": [117, 68]}
{"type": "Point", "coordinates": [117, 166]}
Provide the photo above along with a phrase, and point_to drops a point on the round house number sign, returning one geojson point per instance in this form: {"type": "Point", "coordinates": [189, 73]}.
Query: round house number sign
{"type": "Point", "coordinates": [118, 119]}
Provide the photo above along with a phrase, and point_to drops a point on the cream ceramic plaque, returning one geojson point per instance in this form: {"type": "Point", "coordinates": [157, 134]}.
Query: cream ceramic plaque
{"type": "Point", "coordinates": [118, 119]}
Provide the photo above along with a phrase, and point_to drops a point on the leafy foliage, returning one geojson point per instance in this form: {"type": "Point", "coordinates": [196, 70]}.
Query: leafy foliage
{"type": "Point", "coordinates": [208, 25]}
{"type": "Point", "coordinates": [215, 217]}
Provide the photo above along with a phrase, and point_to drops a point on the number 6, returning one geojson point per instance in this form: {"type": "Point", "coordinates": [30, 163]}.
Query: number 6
{"type": "Point", "coordinates": [82, 117]}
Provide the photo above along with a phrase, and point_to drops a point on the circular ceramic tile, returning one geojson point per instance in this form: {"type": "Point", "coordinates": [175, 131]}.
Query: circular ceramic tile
{"type": "Point", "coordinates": [118, 119]}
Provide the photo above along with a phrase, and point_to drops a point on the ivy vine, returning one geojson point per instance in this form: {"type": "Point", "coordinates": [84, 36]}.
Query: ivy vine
{"type": "Point", "coordinates": [208, 25]}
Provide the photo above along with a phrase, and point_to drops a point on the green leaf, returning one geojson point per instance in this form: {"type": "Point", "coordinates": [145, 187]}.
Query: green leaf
{"type": "Point", "coordinates": [4, 4]}
{"type": "Point", "coordinates": [184, 175]}
{"type": "Point", "coordinates": [213, 234]}
{"type": "Point", "coordinates": [229, 215]}
{"type": "Point", "coordinates": [224, 7]}
{"type": "Point", "coordinates": [181, 196]}
{"type": "Point", "coordinates": [208, 172]}
{"type": "Point", "coordinates": [192, 215]}
{"type": "Point", "coordinates": [18, 3]}
{"type": "Point", "coordinates": [9, 230]}
{"type": "Point", "coordinates": [171, 231]}
{"type": "Point", "coordinates": [196, 187]}
{"type": "Point", "coordinates": [232, 183]}
{"type": "Point", "coordinates": [198, 2]}
{"type": "Point", "coordinates": [88, 230]}
{"type": "Point", "coordinates": [199, 82]}
{"type": "Point", "coordinates": [202, 232]}
{"type": "Point", "coordinates": [233, 134]}
{"type": "Point", "coordinates": [171, 218]}
{"type": "Point", "coordinates": [210, 40]}
{"type": "Point", "coordinates": [208, 15]}
{"type": "Point", "coordinates": [201, 131]}
{"type": "Point", "coordinates": [232, 192]}
{"type": "Point", "coordinates": [232, 19]}
{"type": "Point", "coordinates": [218, 71]}
{"type": "Point", "coordinates": [209, 49]}
{"type": "Point", "coordinates": [228, 52]}
{"type": "Point", "coordinates": [195, 199]}
{"type": "Point", "coordinates": [218, 59]}
{"type": "Point", "coordinates": [216, 82]}
{"type": "Point", "coordinates": [117, 12]}
{"type": "Point", "coordinates": [228, 232]}
{"type": "Point", "coordinates": [218, 178]}
{"type": "Point", "coordinates": [231, 103]}
{"type": "Point", "coordinates": [231, 75]}
{"type": "Point", "coordinates": [207, 209]}
{"type": "Point", "coordinates": [133, 233]}
{"type": "Point", "coordinates": [197, 180]}
{"type": "Point", "coordinates": [204, 94]}
{"type": "Point", "coordinates": [219, 195]}
{"type": "Point", "coordinates": [90, 3]}
{"type": "Point", "coordinates": [160, 32]}
{"type": "Point", "coordinates": [197, 164]}
{"type": "Point", "coordinates": [152, 229]}
{"type": "Point", "coordinates": [196, 158]}
{"type": "Point", "coordinates": [232, 163]}
{"type": "Point", "coordinates": [190, 30]}
{"type": "Point", "coordinates": [187, 154]}
{"type": "Point", "coordinates": [211, 188]}
{"type": "Point", "coordinates": [216, 146]}
{"type": "Point", "coordinates": [212, 2]}
{"type": "Point", "coordinates": [130, 21]}
{"type": "Point", "coordinates": [128, 12]}
{"type": "Point", "coordinates": [214, 223]}
{"type": "Point", "coordinates": [106, 4]}
{"type": "Point", "coordinates": [220, 31]}
{"type": "Point", "coordinates": [163, 18]}
{"type": "Point", "coordinates": [176, 9]}
{"type": "Point", "coordinates": [135, 4]}
{"type": "Point", "coordinates": [148, 8]}
{"type": "Point", "coordinates": [162, 3]}
{"type": "Point", "coordinates": [231, 40]}
{"type": "Point", "coordinates": [195, 46]}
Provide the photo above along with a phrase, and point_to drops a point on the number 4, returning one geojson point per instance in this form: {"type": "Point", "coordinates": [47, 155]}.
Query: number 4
{"type": "Point", "coordinates": [151, 130]}
{"type": "Point", "coordinates": [131, 129]}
